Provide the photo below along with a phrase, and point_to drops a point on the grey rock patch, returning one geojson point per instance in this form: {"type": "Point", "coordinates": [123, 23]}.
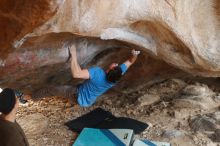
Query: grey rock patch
{"type": "Point", "coordinates": [217, 98]}
{"type": "Point", "coordinates": [172, 134]}
{"type": "Point", "coordinates": [148, 99]}
{"type": "Point", "coordinates": [179, 82]}
{"type": "Point", "coordinates": [196, 96]}
{"type": "Point", "coordinates": [202, 124]}
{"type": "Point", "coordinates": [216, 136]}
{"type": "Point", "coordinates": [197, 90]}
{"type": "Point", "coordinates": [185, 103]}
{"type": "Point", "coordinates": [215, 116]}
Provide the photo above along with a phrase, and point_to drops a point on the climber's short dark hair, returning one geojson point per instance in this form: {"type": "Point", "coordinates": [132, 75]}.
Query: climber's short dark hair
{"type": "Point", "coordinates": [114, 74]}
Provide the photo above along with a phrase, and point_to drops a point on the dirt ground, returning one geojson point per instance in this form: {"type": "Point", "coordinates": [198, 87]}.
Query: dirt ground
{"type": "Point", "coordinates": [167, 106]}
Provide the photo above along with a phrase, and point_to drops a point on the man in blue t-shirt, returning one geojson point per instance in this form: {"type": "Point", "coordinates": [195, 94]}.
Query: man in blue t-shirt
{"type": "Point", "coordinates": [98, 81]}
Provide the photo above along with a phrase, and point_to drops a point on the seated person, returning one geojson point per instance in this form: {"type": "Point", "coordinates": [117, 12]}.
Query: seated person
{"type": "Point", "coordinates": [11, 133]}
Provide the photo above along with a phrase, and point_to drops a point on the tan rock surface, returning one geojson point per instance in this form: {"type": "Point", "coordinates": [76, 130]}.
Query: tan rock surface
{"type": "Point", "coordinates": [183, 34]}
{"type": "Point", "coordinates": [34, 124]}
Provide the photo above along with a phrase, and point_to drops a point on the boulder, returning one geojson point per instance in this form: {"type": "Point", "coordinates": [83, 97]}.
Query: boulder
{"type": "Point", "coordinates": [197, 96]}
{"type": "Point", "coordinates": [202, 123]}
{"type": "Point", "coordinates": [216, 136]}
{"type": "Point", "coordinates": [170, 34]}
{"type": "Point", "coordinates": [148, 99]}
{"type": "Point", "coordinates": [170, 134]}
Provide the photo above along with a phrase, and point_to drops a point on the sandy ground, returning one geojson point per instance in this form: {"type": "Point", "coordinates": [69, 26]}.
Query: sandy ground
{"type": "Point", "coordinates": [43, 121]}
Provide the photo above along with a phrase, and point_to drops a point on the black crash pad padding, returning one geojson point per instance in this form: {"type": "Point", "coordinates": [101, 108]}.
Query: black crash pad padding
{"type": "Point", "coordinates": [102, 119]}
{"type": "Point", "coordinates": [89, 120]}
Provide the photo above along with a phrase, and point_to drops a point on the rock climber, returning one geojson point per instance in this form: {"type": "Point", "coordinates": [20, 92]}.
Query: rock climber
{"type": "Point", "coordinates": [97, 81]}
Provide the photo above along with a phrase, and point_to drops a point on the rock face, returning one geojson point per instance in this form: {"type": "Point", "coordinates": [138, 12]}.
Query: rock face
{"type": "Point", "coordinates": [216, 136]}
{"type": "Point", "coordinates": [36, 125]}
{"type": "Point", "coordinates": [196, 96]}
{"type": "Point", "coordinates": [18, 18]}
{"type": "Point", "coordinates": [202, 123]}
{"type": "Point", "coordinates": [208, 124]}
{"type": "Point", "coordinates": [36, 34]}
{"type": "Point", "coordinates": [148, 99]}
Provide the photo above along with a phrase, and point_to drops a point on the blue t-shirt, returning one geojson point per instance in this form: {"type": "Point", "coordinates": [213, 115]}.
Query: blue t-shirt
{"type": "Point", "coordinates": [95, 86]}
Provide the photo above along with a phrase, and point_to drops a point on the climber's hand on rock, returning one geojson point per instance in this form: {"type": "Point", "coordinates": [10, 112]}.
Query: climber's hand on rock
{"type": "Point", "coordinates": [72, 49]}
{"type": "Point", "coordinates": [135, 52]}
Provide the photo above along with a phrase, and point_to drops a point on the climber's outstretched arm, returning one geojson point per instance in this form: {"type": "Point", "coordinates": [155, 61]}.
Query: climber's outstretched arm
{"type": "Point", "coordinates": [132, 59]}
{"type": "Point", "coordinates": [77, 71]}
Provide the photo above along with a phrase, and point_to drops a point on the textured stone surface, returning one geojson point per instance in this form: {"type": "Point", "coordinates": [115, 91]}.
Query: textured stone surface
{"type": "Point", "coordinates": [148, 99]}
{"type": "Point", "coordinates": [165, 124]}
{"type": "Point", "coordinates": [35, 34]}
{"type": "Point", "coordinates": [207, 124]}
{"type": "Point", "coordinates": [197, 96]}
{"type": "Point", "coordinates": [36, 125]}
{"type": "Point", "coordinates": [202, 123]}
{"type": "Point", "coordinates": [18, 18]}
{"type": "Point", "coordinates": [172, 134]}
{"type": "Point", "coordinates": [44, 63]}
{"type": "Point", "coordinates": [216, 136]}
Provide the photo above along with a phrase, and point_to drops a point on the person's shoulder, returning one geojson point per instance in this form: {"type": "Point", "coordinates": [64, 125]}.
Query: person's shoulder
{"type": "Point", "coordinates": [5, 124]}
{"type": "Point", "coordinates": [96, 72]}
{"type": "Point", "coordinates": [13, 137]}
{"type": "Point", "coordinates": [9, 132]}
{"type": "Point", "coordinates": [96, 69]}
{"type": "Point", "coordinates": [7, 127]}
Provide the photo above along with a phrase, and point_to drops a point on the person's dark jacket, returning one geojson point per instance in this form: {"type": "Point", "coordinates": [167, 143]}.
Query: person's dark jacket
{"type": "Point", "coordinates": [11, 134]}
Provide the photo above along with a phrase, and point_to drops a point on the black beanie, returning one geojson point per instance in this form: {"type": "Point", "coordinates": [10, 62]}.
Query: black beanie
{"type": "Point", "coordinates": [7, 101]}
